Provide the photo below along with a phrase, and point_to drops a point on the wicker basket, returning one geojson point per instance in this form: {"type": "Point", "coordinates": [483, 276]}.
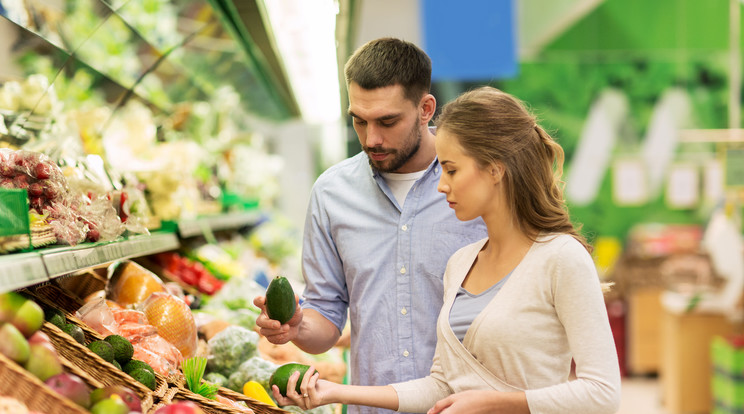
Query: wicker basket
{"type": "Point", "coordinates": [81, 285]}
{"type": "Point", "coordinates": [214, 406]}
{"type": "Point", "coordinates": [79, 354]}
{"type": "Point", "coordinates": [18, 383]}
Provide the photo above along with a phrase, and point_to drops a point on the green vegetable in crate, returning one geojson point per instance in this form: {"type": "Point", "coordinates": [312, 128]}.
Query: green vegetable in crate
{"type": "Point", "coordinates": [193, 370]}
{"type": "Point", "coordinates": [216, 378]}
{"type": "Point", "coordinates": [55, 317]}
{"type": "Point", "coordinates": [135, 364]}
{"type": "Point", "coordinates": [145, 377]}
{"type": "Point", "coordinates": [254, 369]}
{"type": "Point", "coordinates": [103, 349]}
{"type": "Point", "coordinates": [282, 374]}
{"type": "Point", "coordinates": [229, 348]}
{"type": "Point", "coordinates": [116, 364]}
{"type": "Point", "coordinates": [280, 300]}
{"type": "Point", "coordinates": [75, 332]}
{"type": "Point", "coordinates": [123, 349]}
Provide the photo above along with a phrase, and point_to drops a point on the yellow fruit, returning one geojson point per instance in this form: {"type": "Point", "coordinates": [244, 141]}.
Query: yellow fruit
{"type": "Point", "coordinates": [256, 391]}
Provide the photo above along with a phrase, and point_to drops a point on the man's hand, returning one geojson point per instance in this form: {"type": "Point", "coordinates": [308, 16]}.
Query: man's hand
{"type": "Point", "coordinates": [273, 330]}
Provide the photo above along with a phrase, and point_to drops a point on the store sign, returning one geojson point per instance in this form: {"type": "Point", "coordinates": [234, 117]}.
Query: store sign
{"type": "Point", "coordinates": [470, 39]}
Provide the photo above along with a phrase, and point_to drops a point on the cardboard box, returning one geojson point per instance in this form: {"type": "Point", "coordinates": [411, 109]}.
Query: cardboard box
{"type": "Point", "coordinates": [643, 330]}
{"type": "Point", "coordinates": [686, 366]}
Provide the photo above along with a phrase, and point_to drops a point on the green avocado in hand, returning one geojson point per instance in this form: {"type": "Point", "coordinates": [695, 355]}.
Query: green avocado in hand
{"type": "Point", "coordinates": [280, 377]}
{"type": "Point", "coordinates": [280, 300]}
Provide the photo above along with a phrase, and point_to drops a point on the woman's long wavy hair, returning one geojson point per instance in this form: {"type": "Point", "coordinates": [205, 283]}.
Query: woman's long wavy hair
{"type": "Point", "coordinates": [493, 126]}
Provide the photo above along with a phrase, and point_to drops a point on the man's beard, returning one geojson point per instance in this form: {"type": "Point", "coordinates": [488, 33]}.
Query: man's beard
{"type": "Point", "coordinates": [399, 157]}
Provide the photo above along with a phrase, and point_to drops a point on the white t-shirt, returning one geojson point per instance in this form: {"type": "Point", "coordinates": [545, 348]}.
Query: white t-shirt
{"type": "Point", "coordinates": [400, 184]}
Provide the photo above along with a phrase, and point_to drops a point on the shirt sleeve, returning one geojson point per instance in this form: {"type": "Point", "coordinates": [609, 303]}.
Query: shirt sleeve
{"type": "Point", "coordinates": [579, 304]}
{"type": "Point", "coordinates": [325, 284]}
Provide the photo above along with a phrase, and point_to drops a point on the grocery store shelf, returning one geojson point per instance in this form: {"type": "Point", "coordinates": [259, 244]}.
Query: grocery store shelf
{"type": "Point", "coordinates": [231, 221]}
{"type": "Point", "coordinates": [21, 270]}
{"type": "Point", "coordinates": [64, 260]}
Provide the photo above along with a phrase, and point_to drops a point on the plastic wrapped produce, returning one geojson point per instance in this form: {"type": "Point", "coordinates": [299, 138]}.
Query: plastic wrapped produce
{"type": "Point", "coordinates": [173, 318]}
{"type": "Point", "coordinates": [48, 192]}
{"type": "Point", "coordinates": [99, 317]}
{"type": "Point", "coordinates": [160, 354]}
{"type": "Point", "coordinates": [130, 284]}
{"type": "Point", "coordinates": [254, 369]}
{"type": "Point", "coordinates": [230, 348]}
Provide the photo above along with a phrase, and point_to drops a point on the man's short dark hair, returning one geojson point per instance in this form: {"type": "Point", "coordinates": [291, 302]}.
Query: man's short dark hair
{"type": "Point", "coordinates": [387, 62]}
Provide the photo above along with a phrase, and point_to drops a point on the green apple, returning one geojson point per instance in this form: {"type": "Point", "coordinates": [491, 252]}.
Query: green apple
{"type": "Point", "coordinates": [10, 302]}
{"type": "Point", "coordinates": [43, 362]}
{"type": "Point", "coordinates": [28, 318]}
{"type": "Point", "coordinates": [111, 405]}
{"type": "Point", "coordinates": [13, 344]}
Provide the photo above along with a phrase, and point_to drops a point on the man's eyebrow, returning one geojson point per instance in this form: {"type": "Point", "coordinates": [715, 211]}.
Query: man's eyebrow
{"type": "Point", "coordinates": [382, 118]}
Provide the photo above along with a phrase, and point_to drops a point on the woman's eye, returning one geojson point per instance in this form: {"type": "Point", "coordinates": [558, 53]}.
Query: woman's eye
{"type": "Point", "coordinates": [451, 172]}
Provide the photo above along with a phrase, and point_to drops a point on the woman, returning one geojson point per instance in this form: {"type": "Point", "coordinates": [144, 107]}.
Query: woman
{"type": "Point", "coordinates": [520, 305]}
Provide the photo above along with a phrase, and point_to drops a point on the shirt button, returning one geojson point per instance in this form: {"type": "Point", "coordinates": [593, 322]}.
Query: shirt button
{"type": "Point", "coordinates": [404, 227]}
{"type": "Point", "coordinates": [403, 270]}
{"type": "Point", "coordinates": [404, 311]}
{"type": "Point", "coordinates": [405, 353]}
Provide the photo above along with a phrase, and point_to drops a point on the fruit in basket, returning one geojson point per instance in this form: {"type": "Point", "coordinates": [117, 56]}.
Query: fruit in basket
{"type": "Point", "coordinates": [181, 407]}
{"type": "Point", "coordinates": [28, 318]}
{"type": "Point", "coordinates": [282, 374]}
{"type": "Point", "coordinates": [70, 386]}
{"type": "Point", "coordinates": [110, 405]}
{"type": "Point", "coordinates": [280, 300]}
{"type": "Point", "coordinates": [39, 337]}
{"type": "Point", "coordinates": [10, 302]}
{"type": "Point", "coordinates": [42, 362]}
{"type": "Point", "coordinates": [144, 377]}
{"type": "Point", "coordinates": [137, 364]}
{"type": "Point", "coordinates": [130, 283]}
{"type": "Point", "coordinates": [103, 349]}
{"type": "Point", "coordinates": [13, 344]}
{"type": "Point", "coordinates": [123, 349]}
{"type": "Point", "coordinates": [10, 405]}
{"type": "Point", "coordinates": [75, 332]}
{"type": "Point", "coordinates": [174, 320]}
{"type": "Point", "coordinates": [56, 317]}
{"type": "Point", "coordinates": [129, 397]}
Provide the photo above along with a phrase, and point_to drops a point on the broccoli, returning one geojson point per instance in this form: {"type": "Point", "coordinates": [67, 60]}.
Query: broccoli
{"type": "Point", "coordinates": [216, 378]}
{"type": "Point", "coordinates": [254, 369]}
{"type": "Point", "coordinates": [229, 348]}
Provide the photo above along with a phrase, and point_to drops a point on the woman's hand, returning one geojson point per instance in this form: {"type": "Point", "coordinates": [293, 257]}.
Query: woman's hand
{"type": "Point", "coordinates": [482, 402]}
{"type": "Point", "coordinates": [314, 392]}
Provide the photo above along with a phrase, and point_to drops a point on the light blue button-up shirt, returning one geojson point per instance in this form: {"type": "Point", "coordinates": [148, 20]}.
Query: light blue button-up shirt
{"type": "Point", "coordinates": [363, 253]}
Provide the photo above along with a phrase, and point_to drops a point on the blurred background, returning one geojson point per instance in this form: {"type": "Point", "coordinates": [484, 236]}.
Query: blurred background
{"type": "Point", "coordinates": [218, 107]}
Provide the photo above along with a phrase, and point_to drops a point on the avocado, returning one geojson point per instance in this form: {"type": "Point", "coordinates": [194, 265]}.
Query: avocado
{"type": "Point", "coordinates": [116, 364]}
{"type": "Point", "coordinates": [145, 377]}
{"type": "Point", "coordinates": [55, 317]}
{"type": "Point", "coordinates": [103, 349]}
{"type": "Point", "coordinates": [123, 349]}
{"type": "Point", "coordinates": [135, 364]}
{"type": "Point", "coordinates": [75, 332]}
{"type": "Point", "coordinates": [280, 300]}
{"type": "Point", "coordinates": [281, 375]}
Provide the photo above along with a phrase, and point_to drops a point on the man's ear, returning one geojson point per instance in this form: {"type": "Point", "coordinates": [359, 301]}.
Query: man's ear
{"type": "Point", "coordinates": [428, 106]}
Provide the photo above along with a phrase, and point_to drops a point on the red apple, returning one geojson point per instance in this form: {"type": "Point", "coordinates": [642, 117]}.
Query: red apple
{"type": "Point", "coordinates": [39, 337]}
{"type": "Point", "coordinates": [181, 407]}
{"type": "Point", "coordinates": [70, 386]}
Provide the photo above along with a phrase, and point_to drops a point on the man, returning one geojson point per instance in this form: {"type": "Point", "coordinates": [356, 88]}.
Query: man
{"type": "Point", "coordinates": [378, 234]}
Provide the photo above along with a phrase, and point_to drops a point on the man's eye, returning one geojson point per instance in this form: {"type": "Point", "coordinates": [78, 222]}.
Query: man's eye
{"type": "Point", "coordinates": [360, 122]}
{"type": "Point", "coordinates": [388, 123]}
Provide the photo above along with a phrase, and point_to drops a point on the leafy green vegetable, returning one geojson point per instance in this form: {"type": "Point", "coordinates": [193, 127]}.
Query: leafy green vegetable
{"type": "Point", "coordinates": [193, 370]}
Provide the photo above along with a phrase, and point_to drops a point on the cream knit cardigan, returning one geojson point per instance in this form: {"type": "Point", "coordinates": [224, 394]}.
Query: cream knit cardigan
{"type": "Point", "coordinates": [550, 310]}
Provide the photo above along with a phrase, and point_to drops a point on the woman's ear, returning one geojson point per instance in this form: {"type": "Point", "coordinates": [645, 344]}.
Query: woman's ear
{"type": "Point", "coordinates": [496, 170]}
{"type": "Point", "coordinates": [428, 107]}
